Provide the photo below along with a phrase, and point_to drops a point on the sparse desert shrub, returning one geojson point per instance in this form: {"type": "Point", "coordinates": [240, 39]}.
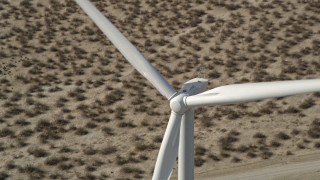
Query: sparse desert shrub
{"type": "Point", "coordinates": [121, 160]}
{"type": "Point", "coordinates": [51, 161]}
{"type": "Point", "coordinates": [10, 165]}
{"type": "Point", "coordinates": [108, 150]}
{"type": "Point", "coordinates": [65, 149]}
{"type": "Point", "coordinates": [214, 157]}
{"type": "Point", "coordinates": [69, 117]}
{"type": "Point", "coordinates": [308, 103]}
{"type": "Point", "coordinates": [282, 136]}
{"type": "Point", "coordinates": [251, 154]}
{"type": "Point", "coordinates": [214, 74]}
{"type": "Point", "coordinates": [81, 131]}
{"type": "Point", "coordinates": [26, 133]}
{"type": "Point", "coordinates": [259, 135]}
{"type": "Point", "coordinates": [2, 120]}
{"type": "Point", "coordinates": [266, 154]}
{"type": "Point", "coordinates": [107, 131]}
{"type": "Point", "coordinates": [206, 121]}
{"type": "Point", "coordinates": [119, 114]}
{"type": "Point", "coordinates": [131, 170]}
{"type": "Point", "coordinates": [317, 145]}
{"type": "Point", "coordinates": [65, 166]}
{"type": "Point", "coordinates": [198, 161]}
{"type": "Point", "coordinates": [21, 142]}
{"type": "Point", "coordinates": [16, 97]}
{"type": "Point", "coordinates": [22, 122]}
{"type": "Point", "coordinates": [3, 96]}
{"type": "Point", "coordinates": [226, 143]}
{"type": "Point", "coordinates": [295, 132]}
{"type": "Point", "coordinates": [231, 114]}
{"type": "Point", "coordinates": [56, 175]}
{"type": "Point", "coordinates": [288, 153]}
{"type": "Point", "coordinates": [91, 125]}
{"type": "Point", "coordinates": [90, 151]}
{"type": "Point", "coordinates": [143, 157]}
{"type": "Point", "coordinates": [126, 125]}
{"type": "Point", "coordinates": [291, 110]}
{"type": "Point", "coordinates": [236, 160]}
{"type": "Point", "coordinates": [275, 143]}
{"type": "Point", "coordinates": [2, 147]}
{"type": "Point", "coordinates": [33, 171]}
{"type": "Point", "coordinates": [233, 133]}
{"type": "Point", "coordinates": [243, 148]}
{"type": "Point", "coordinates": [210, 19]}
{"type": "Point", "coordinates": [38, 152]}
{"type": "Point", "coordinates": [6, 132]}
{"type": "Point", "coordinates": [90, 168]}
{"type": "Point", "coordinates": [43, 125]}
{"type": "Point", "coordinates": [144, 147]}
{"type": "Point", "coordinates": [224, 154]}
{"type": "Point", "coordinates": [132, 159]}
{"type": "Point", "coordinates": [113, 97]}
{"type": "Point", "coordinates": [80, 97]}
{"type": "Point", "coordinates": [40, 108]}
{"type": "Point", "coordinates": [27, 63]}
{"type": "Point", "coordinates": [79, 161]}
{"type": "Point", "coordinates": [5, 81]}
{"type": "Point", "coordinates": [9, 104]}
{"type": "Point", "coordinates": [77, 94]}
{"type": "Point", "coordinates": [61, 122]}
{"type": "Point", "coordinates": [200, 151]}
{"type": "Point", "coordinates": [61, 102]}
{"type": "Point", "coordinates": [265, 111]}
{"type": "Point", "coordinates": [55, 89]}
{"type": "Point", "coordinates": [65, 110]}
{"type": "Point", "coordinates": [12, 111]}
{"type": "Point", "coordinates": [301, 146]}
{"type": "Point", "coordinates": [145, 123]}
{"type": "Point", "coordinates": [79, 82]}
{"type": "Point", "coordinates": [49, 135]}
{"type": "Point", "coordinates": [157, 139]}
{"type": "Point", "coordinates": [305, 140]}
{"type": "Point", "coordinates": [89, 176]}
{"type": "Point", "coordinates": [314, 130]}
{"type": "Point", "coordinates": [30, 101]}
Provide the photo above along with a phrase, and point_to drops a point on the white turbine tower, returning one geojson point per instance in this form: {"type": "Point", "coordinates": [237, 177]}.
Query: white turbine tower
{"type": "Point", "coordinates": [178, 137]}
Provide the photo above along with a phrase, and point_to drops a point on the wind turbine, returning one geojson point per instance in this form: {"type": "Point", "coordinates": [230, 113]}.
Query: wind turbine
{"type": "Point", "coordinates": [179, 135]}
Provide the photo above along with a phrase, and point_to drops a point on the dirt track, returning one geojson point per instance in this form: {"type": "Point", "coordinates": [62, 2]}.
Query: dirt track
{"type": "Point", "coordinates": [287, 171]}
{"type": "Point", "coordinates": [307, 167]}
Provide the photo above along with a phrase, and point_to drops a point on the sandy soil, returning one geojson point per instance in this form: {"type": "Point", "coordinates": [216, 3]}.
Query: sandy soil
{"type": "Point", "coordinates": [71, 107]}
{"type": "Point", "coordinates": [295, 167]}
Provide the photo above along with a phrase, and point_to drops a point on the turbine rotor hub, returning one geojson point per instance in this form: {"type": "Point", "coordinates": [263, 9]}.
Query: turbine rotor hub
{"type": "Point", "coordinates": [177, 103]}
{"type": "Point", "coordinates": [189, 88]}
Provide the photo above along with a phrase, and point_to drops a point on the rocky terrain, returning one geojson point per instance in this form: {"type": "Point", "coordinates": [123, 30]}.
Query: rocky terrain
{"type": "Point", "coordinates": [73, 108]}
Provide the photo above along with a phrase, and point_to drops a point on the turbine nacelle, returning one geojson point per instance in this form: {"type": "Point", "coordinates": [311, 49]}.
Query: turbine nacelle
{"type": "Point", "coordinates": [194, 86]}
{"type": "Point", "coordinates": [189, 88]}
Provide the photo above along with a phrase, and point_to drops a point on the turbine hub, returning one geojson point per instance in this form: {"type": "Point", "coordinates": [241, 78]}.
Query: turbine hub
{"type": "Point", "coordinates": [190, 88]}
{"type": "Point", "coordinates": [177, 103]}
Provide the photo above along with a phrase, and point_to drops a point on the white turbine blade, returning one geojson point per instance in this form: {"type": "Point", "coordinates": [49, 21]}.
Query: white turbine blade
{"type": "Point", "coordinates": [169, 149]}
{"type": "Point", "coordinates": [135, 58]}
{"type": "Point", "coordinates": [238, 93]}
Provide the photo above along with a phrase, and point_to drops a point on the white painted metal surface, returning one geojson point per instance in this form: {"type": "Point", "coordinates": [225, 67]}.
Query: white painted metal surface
{"type": "Point", "coordinates": [186, 147]}
{"type": "Point", "coordinates": [238, 93]}
{"type": "Point", "coordinates": [135, 58]}
{"type": "Point", "coordinates": [169, 149]}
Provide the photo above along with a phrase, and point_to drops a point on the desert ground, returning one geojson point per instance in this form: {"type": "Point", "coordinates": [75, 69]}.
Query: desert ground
{"type": "Point", "coordinates": [71, 106]}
